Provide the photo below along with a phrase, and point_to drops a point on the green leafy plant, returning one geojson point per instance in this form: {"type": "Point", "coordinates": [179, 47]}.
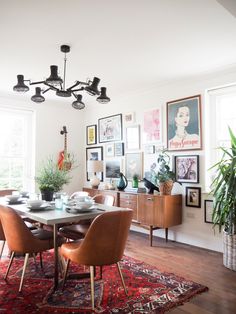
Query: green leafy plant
{"type": "Point", "coordinates": [164, 173]}
{"type": "Point", "coordinates": [49, 176]}
{"type": "Point", "coordinates": [224, 188]}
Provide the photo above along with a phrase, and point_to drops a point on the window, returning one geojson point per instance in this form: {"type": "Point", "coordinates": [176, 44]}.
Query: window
{"type": "Point", "coordinates": [16, 149]}
{"type": "Point", "coordinates": [220, 113]}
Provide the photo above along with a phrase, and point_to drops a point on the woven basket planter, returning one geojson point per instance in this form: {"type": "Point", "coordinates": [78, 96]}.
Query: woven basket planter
{"type": "Point", "coordinates": [166, 187]}
{"type": "Point", "coordinates": [229, 251]}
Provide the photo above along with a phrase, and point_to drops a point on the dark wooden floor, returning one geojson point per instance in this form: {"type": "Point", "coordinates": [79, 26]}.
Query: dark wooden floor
{"type": "Point", "coordinates": [200, 265]}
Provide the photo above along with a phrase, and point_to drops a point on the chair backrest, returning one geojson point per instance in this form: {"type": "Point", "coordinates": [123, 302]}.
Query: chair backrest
{"type": "Point", "coordinates": [18, 236]}
{"type": "Point", "coordinates": [105, 240]}
{"type": "Point", "coordinates": [108, 200]}
{"type": "Point", "coordinates": [79, 193]}
{"type": "Point", "coordinates": [4, 193]}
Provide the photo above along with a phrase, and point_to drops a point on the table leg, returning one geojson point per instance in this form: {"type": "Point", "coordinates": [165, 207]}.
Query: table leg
{"type": "Point", "coordinates": [166, 234]}
{"type": "Point", "coordinates": [56, 272]}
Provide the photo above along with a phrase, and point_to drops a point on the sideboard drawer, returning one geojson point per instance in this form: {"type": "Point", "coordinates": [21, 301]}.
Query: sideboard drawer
{"type": "Point", "coordinates": [128, 200]}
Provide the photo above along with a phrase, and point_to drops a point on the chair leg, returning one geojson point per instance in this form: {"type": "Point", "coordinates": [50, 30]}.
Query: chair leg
{"type": "Point", "coordinates": [3, 244]}
{"type": "Point", "coordinates": [9, 264]}
{"type": "Point", "coordinates": [23, 271]}
{"type": "Point", "coordinates": [41, 260]}
{"type": "Point", "coordinates": [65, 273]}
{"type": "Point", "coordinates": [92, 285]}
{"type": "Point", "coordinates": [121, 277]}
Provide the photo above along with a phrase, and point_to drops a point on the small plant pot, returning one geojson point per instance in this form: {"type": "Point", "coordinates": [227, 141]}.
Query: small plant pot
{"type": "Point", "coordinates": [47, 195]}
{"type": "Point", "coordinates": [166, 187]}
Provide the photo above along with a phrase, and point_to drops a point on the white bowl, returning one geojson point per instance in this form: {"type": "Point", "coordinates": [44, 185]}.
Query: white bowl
{"type": "Point", "coordinates": [85, 205]}
{"type": "Point", "coordinates": [35, 203]}
{"type": "Point", "coordinates": [13, 198]}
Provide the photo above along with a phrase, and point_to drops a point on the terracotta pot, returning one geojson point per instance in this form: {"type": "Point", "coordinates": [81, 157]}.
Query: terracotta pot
{"type": "Point", "coordinates": [166, 187]}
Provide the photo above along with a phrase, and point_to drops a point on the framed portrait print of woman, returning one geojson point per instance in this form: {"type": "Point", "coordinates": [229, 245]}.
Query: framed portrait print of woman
{"type": "Point", "coordinates": [184, 124]}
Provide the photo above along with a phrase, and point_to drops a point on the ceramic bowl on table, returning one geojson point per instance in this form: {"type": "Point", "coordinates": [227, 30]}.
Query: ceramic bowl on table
{"type": "Point", "coordinates": [13, 198]}
{"type": "Point", "coordinates": [36, 204]}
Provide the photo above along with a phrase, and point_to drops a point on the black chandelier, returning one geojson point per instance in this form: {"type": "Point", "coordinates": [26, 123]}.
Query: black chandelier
{"type": "Point", "coordinates": [55, 83]}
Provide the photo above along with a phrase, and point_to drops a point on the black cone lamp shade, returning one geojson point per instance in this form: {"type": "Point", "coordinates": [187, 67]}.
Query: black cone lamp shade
{"type": "Point", "coordinates": [38, 98]}
{"type": "Point", "coordinates": [54, 79]}
{"type": "Point", "coordinates": [103, 97]}
{"type": "Point", "coordinates": [20, 86]}
{"type": "Point", "coordinates": [93, 88]}
{"type": "Point", "coordinates": [78, 104]}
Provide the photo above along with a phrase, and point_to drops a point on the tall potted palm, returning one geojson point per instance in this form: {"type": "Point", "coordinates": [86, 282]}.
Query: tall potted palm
{"type": "Point", "coordinates": [224, 201]}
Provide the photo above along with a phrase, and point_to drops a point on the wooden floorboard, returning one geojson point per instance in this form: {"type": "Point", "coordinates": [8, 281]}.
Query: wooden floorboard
{"type": "Point", "coordinates": [196, 264]}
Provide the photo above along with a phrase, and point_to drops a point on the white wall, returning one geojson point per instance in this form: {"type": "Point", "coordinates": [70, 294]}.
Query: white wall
{"type": "Point", "coordinates": [193, 230]}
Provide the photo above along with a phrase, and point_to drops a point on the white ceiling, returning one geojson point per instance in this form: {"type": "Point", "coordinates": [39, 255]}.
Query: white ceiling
{"type": "Point", "coordinates": [129, 44]}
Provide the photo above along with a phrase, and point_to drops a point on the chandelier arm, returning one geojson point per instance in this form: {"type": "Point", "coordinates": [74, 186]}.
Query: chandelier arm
{"type": "Point", "coordinates": [76, 84]}
{"type": "Point", "coordinates": [35, 83]}
{"type": "Point", "coordinates": [77, 90]}
{"type": "Point", "coordinates": [46, 90]}
{"type": "Point", "coordinates": [50, 86]}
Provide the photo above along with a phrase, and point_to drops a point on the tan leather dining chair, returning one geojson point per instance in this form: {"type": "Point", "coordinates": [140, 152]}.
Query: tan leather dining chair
{"type": "Point", "coordinates": [78, 231]}
{"type": "Point", "coordinates": [104, 244]}
{"type": "Point", "coordinates": [21, 240]}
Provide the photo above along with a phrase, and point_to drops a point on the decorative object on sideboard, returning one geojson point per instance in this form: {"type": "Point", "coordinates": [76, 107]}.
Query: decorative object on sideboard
{"type": "Point", "coordinates": [224, 200]}
{"type": "Point", "coordinates": [135, 181]}
{"type": "Point", "coordinates": [93, 167]}
{"type": "Point", "coordinates": [58, 85]}
{"type": "Point", "coordinates": [122, 182]}
{"type": "Point", "coordinates": [164, 176]}
{"type": "Point", "coordinates": [51, 179]}
{"type": "Point", "coordinates": [150, 186]}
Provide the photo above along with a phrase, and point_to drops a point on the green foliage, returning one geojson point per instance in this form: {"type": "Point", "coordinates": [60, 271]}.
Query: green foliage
{"type": "Point", "coordinates": [164, 173]}
{"type": "Point", "coordinates": [49, 177]}
{"type": "Point", "coordinates": [224, 189]}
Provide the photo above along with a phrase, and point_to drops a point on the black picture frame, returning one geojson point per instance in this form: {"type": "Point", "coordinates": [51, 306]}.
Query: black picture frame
{"type": "Point", "coordinates": [94, 153]}
{"type": "Point", "coordinates": [119, 149]}
{"type": "Point", "coordinates": [110, 128]}
{"type": "Point", "coordinates": [187, 168]}
{"type": "Point", "coordinates": [91, 134]}
{"type": "Point", "coordinates": [208, 210]}
{"type": "Point", "coordinates": [193, 197]}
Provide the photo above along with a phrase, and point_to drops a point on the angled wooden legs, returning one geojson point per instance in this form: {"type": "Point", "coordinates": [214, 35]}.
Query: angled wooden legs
{"type": "Point", "coordinates": [9, 264]}
{"type": "Point", "coordinates": [65, 273]}
{"type": "Point", "coordinates": [23, 271]}
{"type": "Point", "coordinates": [121, 277]}
{"type": "Point", "coordinates": [3, 243]}
{"type": "Point", "coordinates": [92, 284]}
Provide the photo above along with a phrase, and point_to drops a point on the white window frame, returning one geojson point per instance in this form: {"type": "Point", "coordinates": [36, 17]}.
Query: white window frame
{"type": "Point", "coordinates": [29, 136]}
{"type": "Point", "coordinates": [211, 122]}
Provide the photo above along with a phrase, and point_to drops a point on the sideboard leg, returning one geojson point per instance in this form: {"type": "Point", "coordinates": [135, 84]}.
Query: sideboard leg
{"type": "Point", "coordinates": [150, 235]}
{"type": "Point", "coordinates": [166, 234]}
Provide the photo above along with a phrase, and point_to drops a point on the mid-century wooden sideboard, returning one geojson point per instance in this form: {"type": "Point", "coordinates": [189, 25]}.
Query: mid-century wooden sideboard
{"type": "Point", "coordinates": [150, 210]}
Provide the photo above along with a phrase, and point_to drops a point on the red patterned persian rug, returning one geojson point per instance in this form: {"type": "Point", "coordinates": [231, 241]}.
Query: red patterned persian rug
{"type": "Point", "coordinates": [149, 290]}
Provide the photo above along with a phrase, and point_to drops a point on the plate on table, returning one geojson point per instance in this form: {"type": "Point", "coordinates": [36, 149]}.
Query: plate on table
{"type": "Point", "coordinates": [39, 208]}
{"type": "Point", "coordinates": [77, 209]}
{"type": "Point", "coordinates": [19, 201]}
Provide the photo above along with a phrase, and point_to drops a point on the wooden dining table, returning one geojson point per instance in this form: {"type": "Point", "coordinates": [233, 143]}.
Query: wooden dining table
{"type": "Point", "coordinates": [55, 217]}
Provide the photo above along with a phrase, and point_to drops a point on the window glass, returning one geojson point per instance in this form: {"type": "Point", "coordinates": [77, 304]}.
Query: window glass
{"type": "Point", "coordinates": [16, 149]}
{"type": "Point", "coordinates": [220, 114]}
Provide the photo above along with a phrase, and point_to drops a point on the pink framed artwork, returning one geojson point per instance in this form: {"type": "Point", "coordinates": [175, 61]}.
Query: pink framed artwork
{"type": "Point", "coordinates": [152, 126]}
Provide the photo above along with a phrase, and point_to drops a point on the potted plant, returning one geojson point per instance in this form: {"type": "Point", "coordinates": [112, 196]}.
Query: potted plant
{"type": "Point", "coordinates": [51, 179]}
{"type": "Point", "coordinates": [224, 201]}
{"type": "Point", "coordinates": [164, 177]}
